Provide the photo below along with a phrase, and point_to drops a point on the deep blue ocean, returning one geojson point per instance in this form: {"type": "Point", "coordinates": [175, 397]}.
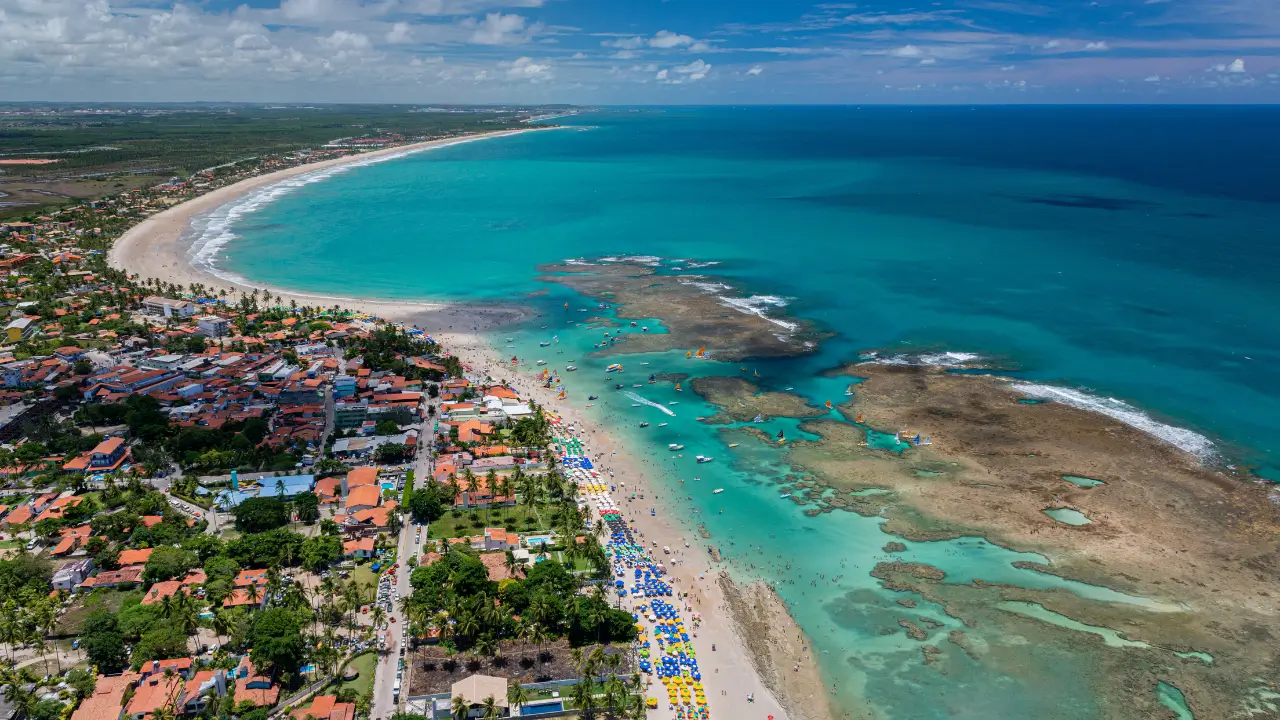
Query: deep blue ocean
{"type": "Point", "coordinates": [1128, 255]}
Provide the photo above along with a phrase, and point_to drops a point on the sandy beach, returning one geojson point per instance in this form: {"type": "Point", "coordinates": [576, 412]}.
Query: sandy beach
{"type": "Point", "coordinates": [775, 668]}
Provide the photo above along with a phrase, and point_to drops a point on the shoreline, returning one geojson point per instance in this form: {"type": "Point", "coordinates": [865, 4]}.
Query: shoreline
{"type": "Point", "coordinates": [155, 248]}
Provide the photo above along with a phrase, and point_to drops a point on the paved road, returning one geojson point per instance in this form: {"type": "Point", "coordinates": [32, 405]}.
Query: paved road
{"type": "Point", "coordinates": [410, 545]}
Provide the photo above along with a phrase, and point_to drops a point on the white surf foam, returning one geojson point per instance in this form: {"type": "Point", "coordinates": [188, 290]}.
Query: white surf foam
{"type": "Point", "coordinates": [216, 227]}
{"type": "Point", "coordinates": [942, 359]}
{"type": "Point", "coordinates": [757, 305]}
{"type": "Point", "coordinates": [650, 260]}
{"type": "Point", "coordinates": [650, 403]}
{"type": "Point", "coordinates": [1182, 438]}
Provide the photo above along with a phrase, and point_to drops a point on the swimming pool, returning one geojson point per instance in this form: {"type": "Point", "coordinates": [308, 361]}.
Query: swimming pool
{"type": "Point", "coordinates": [534, 541]}
{"type": "Point", "coordinates": [388, 486]}
{"type": "Point", "coordinates": [542, 708]}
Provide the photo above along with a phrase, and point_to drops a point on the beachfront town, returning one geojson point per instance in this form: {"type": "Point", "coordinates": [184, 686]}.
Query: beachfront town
{"type": "Point", "coordinates": [225, 505]}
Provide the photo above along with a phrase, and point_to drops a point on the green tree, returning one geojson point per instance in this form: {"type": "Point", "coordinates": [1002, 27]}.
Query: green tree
{"type": "Point", "coordinates": [167, 563]}
{"type": "Point", "coordinates": [276, 642]}
{"type": "Point", "coordinates": [307, 506]}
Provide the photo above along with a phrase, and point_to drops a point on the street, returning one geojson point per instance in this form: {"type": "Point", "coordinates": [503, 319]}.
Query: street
{"type": "Point", "coordinates": [410, 544]}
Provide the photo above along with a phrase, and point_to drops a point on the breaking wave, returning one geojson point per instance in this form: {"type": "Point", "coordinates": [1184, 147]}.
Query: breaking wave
{"type": "Point", "coordinates": [939, 359]}
{"type": "Point", "coordinates": [1182, 438]}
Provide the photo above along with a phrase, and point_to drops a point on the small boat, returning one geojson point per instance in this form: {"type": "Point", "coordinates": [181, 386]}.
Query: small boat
{"type": "Point", "coordinates": [733, 444]}
{"type": "Point", "coordinates": [619, 386]}
{"type": "Point", "coordinates": [544, 343]}
{"type": "Point", "coordinates": [591, 404]}
{"type": "Point", "coordinates": [644, 424]}
{"type": "Point", "coordinates": [636, 385]}
{"type": "Point", "coordinates": [674, 402]}
{"type": "Point", "coordinates": [674, 446]}
{"type": "Point", "coordinates": [511, 339]}
{"type": "Point", "coordinates": [541, 362]}
{"type": "Point", "coordinates": [755, 373]}
{"type": "Point", "coordinates": [784, 496]}
{"type": "Point", "coordinates": [705, 458]}
{"type": "Point", "coordinates": [849, 390]}
{"type": "Point", "coordinates": [859, 416]}
{"type": "Point", "coordinates": [717, 491]}
{"type": "Point", "coordinates": [633, 323]}
{"type": "Point", "coordinates": [827, 404]}
{"type": "Point", "coordinates": [662, 424]}
{"type": "Point", "coordinates": [644, 328]}
{"type": "Point", "coordinates": [635, 404]}
{"type": "Point", "coordinates": [652, 379]}
{"type": "Point", "coordinates": [758, 419]}
{"type": "Point", "coordinates": [593, 397]}
{"type": "Point", "coordinates": [677, 387]}
{"type": "Point", "coordinates": [644, 363]}
{"type": "Point", "coordinates": [570, 368]}
{"type": "Point", "coordinates": [616, 367]}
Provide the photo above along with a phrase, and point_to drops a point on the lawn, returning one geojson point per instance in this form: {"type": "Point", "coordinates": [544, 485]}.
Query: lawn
{"type": "Point", "coordinates": [101, 599]}
{"type": "Point", "coordinates": [514, 517]}
{"type": "Point", "coordinates": [365, 664]}
{"type": "Point", "coordinates": [363, 575]}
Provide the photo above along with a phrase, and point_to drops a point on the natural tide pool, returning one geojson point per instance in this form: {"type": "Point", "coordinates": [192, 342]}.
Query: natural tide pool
{"type": "Point", "coordinates": [1069, 516]}
{"type": "Point", "coordinates": [1083, 482]}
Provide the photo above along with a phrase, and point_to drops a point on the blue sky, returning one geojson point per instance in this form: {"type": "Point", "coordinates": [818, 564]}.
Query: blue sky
{"type": "Point", "coordinates": [641, 51]}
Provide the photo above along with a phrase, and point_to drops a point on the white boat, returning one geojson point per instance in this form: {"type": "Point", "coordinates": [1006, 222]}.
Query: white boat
{"type": "Point", "coordinates": [544, 343]}
{"type": "Point", "coordinates": [644, 424]}
{"type": "Point", "coordinates": [644, 363]}
{"type": "Point", "coordinates": [616, 367]}
{"type": "Point", "coordinates": [662, 424]}
{"type": "Point", "coordinates": [733, 444]}
{"type": "Point", "coordinates": [570, 368]}
{"type": "Point", "coordinates": [784, 496]}
{"type": "Point", "coordinates": [636, 385]}
{"type": "Point", "coordinates": [717, 491]}
{"type": "Point", "coordinates": [635, 404]}
{"type": "Point", "coordinates": [705, 458]}
{"type": "Point", "coordinates": [675, 446]}
{"type": "Point", "coordinates": [674, 402]}
{"type": "Point", "coordinates": [541, 362]}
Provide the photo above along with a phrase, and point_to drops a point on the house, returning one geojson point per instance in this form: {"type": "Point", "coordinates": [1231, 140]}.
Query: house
{"type": "Point", "coordinates": [20, 329]}
{"type": "Point", "coordinates": [156, 692]}
{"type": "Point", "coordinates": [496, 565]}
{"type": "Point", "coordinates": [125, 576]}
{"type": "Point", "coordinates": [358, 477]}
{"type": "Point", "coordinates": [58, 507]}
{"type": "Point", "coordinates": [107, 699]}
{"type": "Point", "coordinates": [360, 548]}
{"type": "Point", "coordinates": [213, 326]}
{"type": "Point", "coordinates": [70, 576]}
{"type": "Point", "coordinates": [202, 686]}
{"type": "Point", "coordinates": [364, 497]}
{"type": "Point", "coordinates": [167, 307]}
{"type": "Point", "coordinates": [499, 539]}
{"type": "Point", "coordinates": [134, 557]}
{"type": "Point", "coordinates": [109, 455]}
{"type": "Point", "coordinates": [476, 689]}
{"type": "Point", "coordinates": [327, 707]}
{"type": "Point", "coordinates": [161, 590]}
{"type": "Point", "coordinates": [253, 686]}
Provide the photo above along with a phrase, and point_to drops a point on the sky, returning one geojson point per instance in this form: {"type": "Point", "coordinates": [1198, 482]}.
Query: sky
{"type": "Point", "coordinates": [642, 51]}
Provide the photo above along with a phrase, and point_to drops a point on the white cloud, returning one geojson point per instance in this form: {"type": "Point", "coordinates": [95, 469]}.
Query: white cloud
{"type": "Point", "coordinates": [1052, 44]}
{"type": "Point", "coordinates": [626, 43]}
{"type": "Point", "coordinates": [1151, 78]}
{"type": "Point", "coordinates": [1007, 68]}
{"type": "Point", "coordinates": [501, 29]}
{"type": "Point", "coordinates": [695, 70]}
{"type": "Point", "coordinates": [906, 51]}
{"type": "Point", "coordinates": [526, 69]}
{"type": "Point", "coordinates": [755, 70]}
{"type": "Point", "coordinates": [578, 56]}
{"type": "Point", "coordinates": [343, 40]}
{"type": "Point", "coordinates": [625, 55]}
{"type": "Point", "coordinates": [399, 34]}
{"type": "Point", "coordinates": [662, 75]}
{"type": "Point", "coordinates": [1097, 46]}
{"type": "Point", "coordinates": [1236, 66]}
{"type": "Point", "coordinates": [665, 39]}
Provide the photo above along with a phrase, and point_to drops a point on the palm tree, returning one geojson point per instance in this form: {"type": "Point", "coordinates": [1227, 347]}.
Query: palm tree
{"type": "Point", "coordinates": [584, 698]}
{"type": "Point", "coordinates": [253, 593]}
{"type": "Point", "coordinates": [490, 707]}
{"type": "Point", "coordinates": [516, 697]}
{"type": "Point", "coordinates": [459, 707]}
{"type": "Point", "coordinates": [222, 625]}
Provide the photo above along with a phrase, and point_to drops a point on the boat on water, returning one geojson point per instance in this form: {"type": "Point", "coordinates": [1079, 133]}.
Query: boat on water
{"type": "Point", "coordinates": [733, 444]}
{"type": "Point", "coordinates": [675, 446]}
{"type": "Point", "coordinates": [635, 404]}
{"type": "Point", "coordinates": [636, 385]}
{"type": "Point", "coordinates": [644, 328]}
{"type": "Point", "coordinates": [674, 402]}
{"type": "Point", "coordinates": [633, 323]}
{"type": "Point", "coordinates": [570, 368]}
{"type": "Point", "coordinates": [644, 424]}
{"type": "Point", "coordinates": [652, 379]}
{"type": "Point", "coordinates": [616, 367]}
{"type": "Point", "coordinates": [511, 340]}
{"type": "Point", "coordinates": [784, 496]}
{"type": "Point", "coordinates": [544, 343]}
{"type": "Point", "coordinates": [662, 424]}
{"type": "Point", "coordinates": [593, 397]}
{"type": "Point", "coordinates": [717, 491]}
{"type": "Point", "coordinates": [619, 386]}
{"type": "Point", "coordinates": [678, 387]}
{"type": "Point", "coordinates": [849, 390]}
{"type": "Point", "coordinates": [705, 458]}
{"type": "Point", "coordinates": [541, 362]}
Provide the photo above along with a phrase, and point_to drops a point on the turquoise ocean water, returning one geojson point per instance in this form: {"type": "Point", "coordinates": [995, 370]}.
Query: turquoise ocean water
{"type": "Point", "coordinates": [1107, 251]}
